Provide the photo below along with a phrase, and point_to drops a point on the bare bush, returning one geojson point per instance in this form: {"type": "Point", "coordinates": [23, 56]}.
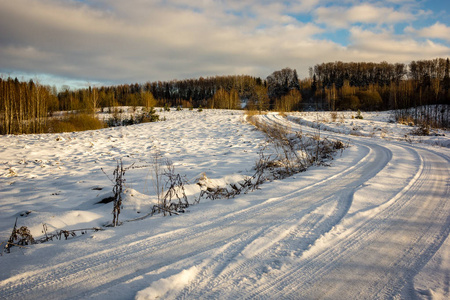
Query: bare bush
{"type": "Point", "coordinates": [295, 151]}
{"type": "Point", "coordinates": [118, 183]}
{"type": "Point", "coordinates": [229, 191]}
{"type": "Point", "coordinates": [421, 130]}
{"type": "Point", "coordinates": [22, 236]}
{"type": "Point", "coordinates": [174, 200]}
{"type": "Point", "coordinates": [291, 154]}
{"type": "Point", "coordinates": [250, 183]}
{"type": "Point", "coordinates": [263, 163]}
{"type": "Point", "coordinates": [214, 193]}
{"type": "Point", "coordinates": [19, 237]}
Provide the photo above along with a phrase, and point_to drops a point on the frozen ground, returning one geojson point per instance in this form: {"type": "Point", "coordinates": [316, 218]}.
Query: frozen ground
{"type": "Point", "coordinates": [373, 225]}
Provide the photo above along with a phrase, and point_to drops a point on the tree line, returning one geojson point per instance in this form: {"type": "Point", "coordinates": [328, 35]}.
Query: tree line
{"type": "Point", "coordinates": [211, 92]}
{"type": "Point", "coordinates": [26, 106]}
{"type": "Point", "coordinates": [380, 86]}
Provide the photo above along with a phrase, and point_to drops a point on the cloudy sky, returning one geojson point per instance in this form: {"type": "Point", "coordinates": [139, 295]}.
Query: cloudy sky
{"type": "Point", "coordinates": [113, 42]}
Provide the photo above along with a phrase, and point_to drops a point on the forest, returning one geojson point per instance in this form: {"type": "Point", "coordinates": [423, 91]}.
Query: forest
{"type": "Point", "coordinates": [28, 107]}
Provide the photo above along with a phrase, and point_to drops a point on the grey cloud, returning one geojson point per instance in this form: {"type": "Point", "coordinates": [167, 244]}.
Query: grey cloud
{"type": "Point", "coordinates": [137, 41]}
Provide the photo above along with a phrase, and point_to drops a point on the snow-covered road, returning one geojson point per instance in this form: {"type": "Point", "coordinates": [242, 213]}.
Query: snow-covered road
{"type": "Point", "coordinates": [364, 228]}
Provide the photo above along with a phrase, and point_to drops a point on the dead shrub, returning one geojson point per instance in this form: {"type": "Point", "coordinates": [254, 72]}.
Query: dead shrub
{"type": "Point", "coordinates": [295, 152]}
{"type": "Point", "coordinates": [422, 130]}
{"type": "Point", "coordinates": [338, 145]}
{"type": "Point", "coordinates": [118, 184]}
{"type": "Point", "coordinates": [250, 183]}
{"type": "Point", "coordinates": [19, 237]}
{"type": "Point", "coordinates": [174, 200]}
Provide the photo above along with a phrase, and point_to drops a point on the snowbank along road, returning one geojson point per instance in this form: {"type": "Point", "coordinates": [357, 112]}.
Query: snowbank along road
{"type": "Point", "coordinates": [374, 225]}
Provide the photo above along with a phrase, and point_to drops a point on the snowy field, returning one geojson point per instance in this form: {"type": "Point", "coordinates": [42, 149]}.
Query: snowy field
{"type": "Point", "coordinates": [372, 124]}
{"type": "Point", "coordinates": [373, 225]}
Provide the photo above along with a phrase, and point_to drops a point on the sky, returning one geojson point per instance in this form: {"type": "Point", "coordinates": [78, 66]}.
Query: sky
{"type": "Point", "coordinates": [108, 42]}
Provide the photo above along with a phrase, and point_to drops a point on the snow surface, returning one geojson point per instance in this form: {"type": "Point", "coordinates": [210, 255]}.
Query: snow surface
{"type": "Point", "coordinates": [373, 225]}
{"type": "Point", "coordinates": [373, 124]}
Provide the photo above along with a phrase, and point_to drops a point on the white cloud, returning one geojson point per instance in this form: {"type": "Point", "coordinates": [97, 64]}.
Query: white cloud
{"type": "Point", "coordinates": [394, 48]}
{"type": "Point", "coordinates": [344, 17]}
{"type": "Point", "coordinates": [436, 31]}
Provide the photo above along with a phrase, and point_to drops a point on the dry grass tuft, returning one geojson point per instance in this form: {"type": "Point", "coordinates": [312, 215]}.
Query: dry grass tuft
{"type": "Point", "coordinates": [333, 116]}
{"type": "Point", "coordinates": [74, 122]}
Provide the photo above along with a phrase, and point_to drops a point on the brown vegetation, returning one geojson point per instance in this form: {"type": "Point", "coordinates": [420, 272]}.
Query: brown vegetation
{"type": "Point", "coordinates": [73, 122]}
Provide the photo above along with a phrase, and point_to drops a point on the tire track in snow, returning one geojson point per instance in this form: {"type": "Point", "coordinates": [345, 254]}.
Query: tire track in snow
{"type": "Point", "coordinates": [271, 248]}
{"type": "Point", "coordinates": [266, 208]}
{"type": "Point", "coordinates": [97, 265]}
{"type": "Point", "coordinates": [328, 254]}
{"type": "Point", "coordinates": [348, 181]}
{"type": "Point", "coordinates": [301, 265]}
{"type": "Point", "coordinates": [74, 272]}
{"type": "Point", "coordinates": [327, 266]}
